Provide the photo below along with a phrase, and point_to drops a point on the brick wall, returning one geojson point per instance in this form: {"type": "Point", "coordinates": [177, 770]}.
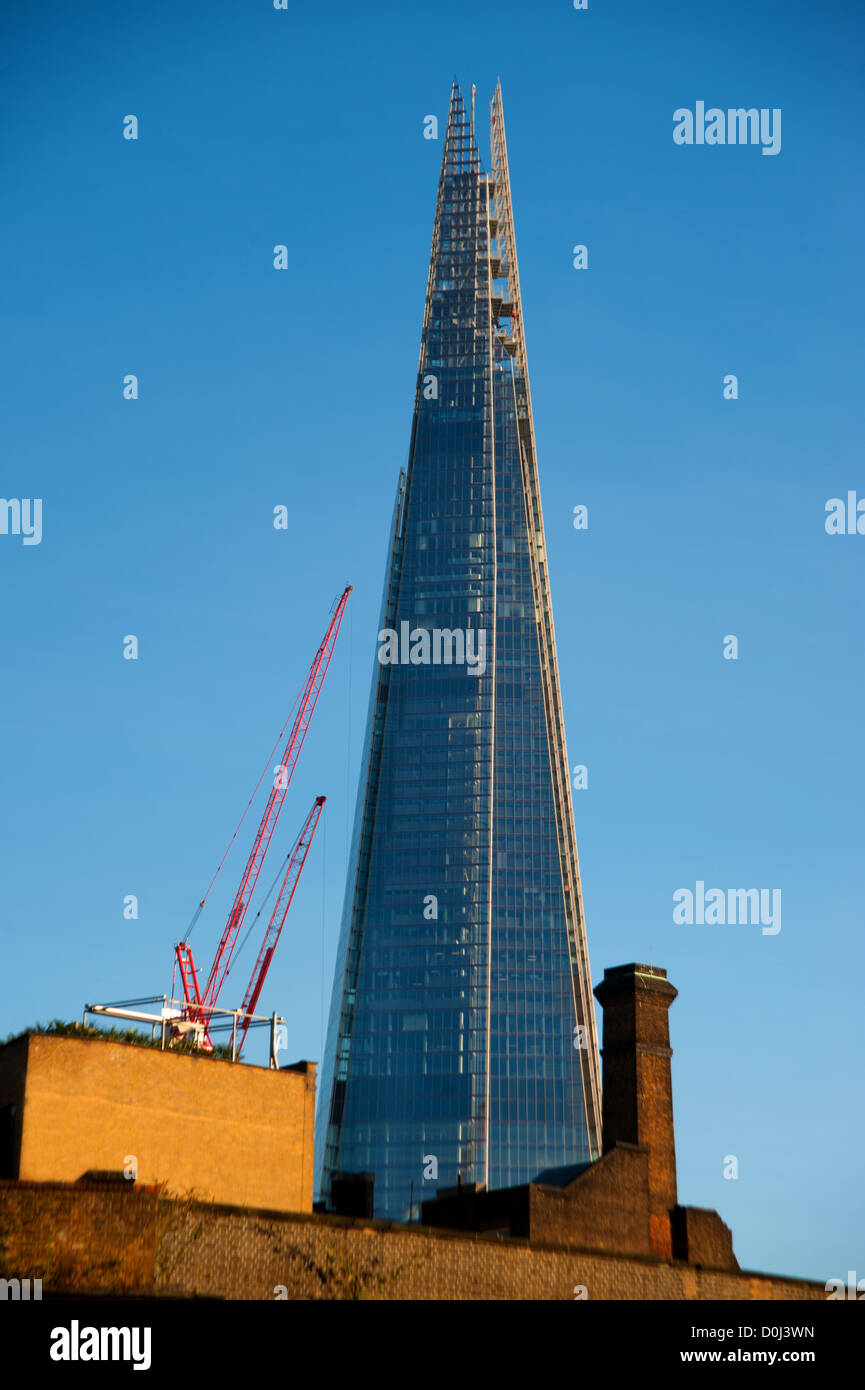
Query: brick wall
{"type": "Point", "coordinates": [220, 1131]}
{"type": "Point", "coordinates": [95, 1239]}
{"type": "Point", "coordinates": [703, 1237]}
{"type": "Point", "coordinates": [79, 1239]}
{"type": "Point", "coordinates": [608, 1205]}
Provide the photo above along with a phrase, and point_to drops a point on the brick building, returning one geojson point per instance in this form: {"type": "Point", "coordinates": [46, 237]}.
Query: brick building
{"type": "Point", "coordinates": [73, 1107]}
{"type": "Point", "coordinates": [612, 1229]}
{"type": "Point", "coordinates": [626, 1202]}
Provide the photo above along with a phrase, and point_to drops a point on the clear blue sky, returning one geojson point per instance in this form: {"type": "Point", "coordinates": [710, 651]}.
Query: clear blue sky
{"type": "Point", "coordinates": [258, 387]}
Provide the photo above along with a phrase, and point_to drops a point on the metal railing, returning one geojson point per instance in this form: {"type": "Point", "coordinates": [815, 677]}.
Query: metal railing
{"type": "Point", "coordinates": [174, 1020]}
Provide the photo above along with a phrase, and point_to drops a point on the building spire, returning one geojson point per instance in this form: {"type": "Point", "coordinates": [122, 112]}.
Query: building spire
{"type": "Point", "coordinates": [461, 152]}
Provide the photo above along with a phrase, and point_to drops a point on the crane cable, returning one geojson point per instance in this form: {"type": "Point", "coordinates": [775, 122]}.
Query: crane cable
{"type": "Point", "coordinates": [197, 913]}
{"type": "Point", "coordinates": [261, 909]}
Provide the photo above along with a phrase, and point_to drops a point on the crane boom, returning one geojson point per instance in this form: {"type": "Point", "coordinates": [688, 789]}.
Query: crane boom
{"type": "Point", "coordinates": [264, 835]}
{"type": "Point", "coordinates": [278, 916]}
{"type": "Point", "coordinates": [204, 1002]}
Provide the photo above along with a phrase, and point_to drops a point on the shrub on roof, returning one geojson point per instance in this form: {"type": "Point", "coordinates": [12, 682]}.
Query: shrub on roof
{"type": "Point", "coordinates": [59, 1028]}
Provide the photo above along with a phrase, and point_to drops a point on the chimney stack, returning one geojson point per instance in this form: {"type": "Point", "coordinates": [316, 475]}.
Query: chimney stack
{"type": "Point", "coordinates": [638, 1090]}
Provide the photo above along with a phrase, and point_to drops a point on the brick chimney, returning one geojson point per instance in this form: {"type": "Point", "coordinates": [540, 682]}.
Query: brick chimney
{"type": "Point", "coordinates": [638, 1091]}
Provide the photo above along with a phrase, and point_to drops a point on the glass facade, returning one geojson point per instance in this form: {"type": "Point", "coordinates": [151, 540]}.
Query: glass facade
{"type": "Point", "coordinates": [461, 1043]}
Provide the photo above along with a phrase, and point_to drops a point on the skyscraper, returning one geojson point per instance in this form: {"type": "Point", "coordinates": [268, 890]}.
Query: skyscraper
{"type": "Point", "coordinates": [461, 1042]}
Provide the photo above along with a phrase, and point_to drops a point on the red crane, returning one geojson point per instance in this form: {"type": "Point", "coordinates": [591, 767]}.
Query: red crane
{"type": "Point", "coordinates": [203, 1004]}
{"type": "Point", "coordinates": [277, 919]}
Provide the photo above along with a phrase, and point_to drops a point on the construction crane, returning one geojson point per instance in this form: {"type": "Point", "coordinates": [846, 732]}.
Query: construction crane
{"type": "Point", "coordinates": [201, 1004]}
{"type": "Point", "coordinates": [297, 859]}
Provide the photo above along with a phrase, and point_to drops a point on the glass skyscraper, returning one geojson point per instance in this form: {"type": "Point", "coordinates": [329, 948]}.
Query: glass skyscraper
{"type": "Point", "coordinates": [461, 1043]}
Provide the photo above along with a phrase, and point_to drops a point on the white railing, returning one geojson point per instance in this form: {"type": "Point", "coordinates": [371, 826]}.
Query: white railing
{"type": "Point", "coordinates": [175, 1019]}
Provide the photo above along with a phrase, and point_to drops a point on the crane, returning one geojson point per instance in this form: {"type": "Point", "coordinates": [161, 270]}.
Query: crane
{"type": "Point", "coordinates": [297, 860]}
{"type": "Point", "coordinates": [201, 1003]}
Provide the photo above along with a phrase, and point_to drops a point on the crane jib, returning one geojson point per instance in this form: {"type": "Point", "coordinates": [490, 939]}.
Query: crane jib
{"type": "Point", "coordinates": [206, 1001]}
